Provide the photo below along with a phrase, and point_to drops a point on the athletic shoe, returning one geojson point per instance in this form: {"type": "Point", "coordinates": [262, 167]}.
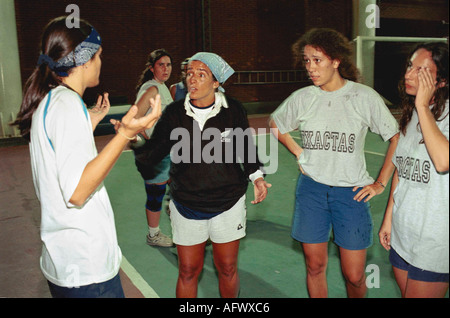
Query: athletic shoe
{"type": "Point", "coordinates": [159, 240]}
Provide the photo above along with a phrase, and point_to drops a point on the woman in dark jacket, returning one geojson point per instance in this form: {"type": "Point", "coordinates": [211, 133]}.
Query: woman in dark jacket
{"type": "Point", "coordinates": [213, 158]}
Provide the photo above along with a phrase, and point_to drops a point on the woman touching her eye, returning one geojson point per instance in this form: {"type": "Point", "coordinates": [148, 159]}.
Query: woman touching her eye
{"type": "Point", "coordinates": [415, 228]}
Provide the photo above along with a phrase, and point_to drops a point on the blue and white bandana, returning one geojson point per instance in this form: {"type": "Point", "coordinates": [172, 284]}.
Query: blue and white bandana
{"type": "Point", "coordinates": [81, 55]}
{"type": "Point", "coordinates": [220, 69]}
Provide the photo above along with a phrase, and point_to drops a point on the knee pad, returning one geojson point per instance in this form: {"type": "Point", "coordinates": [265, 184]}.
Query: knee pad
{"type": "Point", "coordinates": [155, 195]}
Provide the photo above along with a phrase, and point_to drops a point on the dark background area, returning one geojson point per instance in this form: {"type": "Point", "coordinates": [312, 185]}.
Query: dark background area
{"type": "Point", "coordinates": [249, 35]}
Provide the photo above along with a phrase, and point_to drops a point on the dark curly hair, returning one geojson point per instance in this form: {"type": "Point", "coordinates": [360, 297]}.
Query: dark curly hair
{"type": "Point", "coordinates": [333, 44]}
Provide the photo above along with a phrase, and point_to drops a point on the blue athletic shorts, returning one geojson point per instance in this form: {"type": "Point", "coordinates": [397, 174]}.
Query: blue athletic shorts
{"type": "Point", "coordinates": [109, 289]}
{"type": "Point", "coordinates": [416, 273]}
{"type": "Point", "coordinates": [320, 209]}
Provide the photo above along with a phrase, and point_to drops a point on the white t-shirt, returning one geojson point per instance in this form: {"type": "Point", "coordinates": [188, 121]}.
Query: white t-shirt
{"type": "Point", "coordinates": [420, 219]}
{"type": "Point", "coordinates": [163, 91]}
{"type": "Point", "coordinates": [79, 243]}
{"type": "Point", "coordinates": [333, 127]}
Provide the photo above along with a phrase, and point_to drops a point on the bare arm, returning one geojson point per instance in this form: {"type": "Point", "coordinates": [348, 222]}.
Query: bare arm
{"type": "Point", "coordinates": [100, 110]}
{"type": "Point", "coordinates": [97, 169]}
{"type": "Point", "coordinates": [388, 166]}
{"type": "Point", "coordinates": [436, 143]}
{"type": "Point", "coordinates": [286, 140]}
{"type": "Point", "coordinates": [143, 104]}
{"type": "Point", "coordinates": [386, 226]}
{"type": "Point", "coordinates": [173, 91]}
{"type": "Point", "coordinates": [371, 190]}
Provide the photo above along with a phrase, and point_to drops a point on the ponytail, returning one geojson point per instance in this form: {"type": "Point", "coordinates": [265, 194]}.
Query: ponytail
{"type": "Point", "coordinates": [57, 41]}
{"type": "Point", "coordinates": [41, 81]}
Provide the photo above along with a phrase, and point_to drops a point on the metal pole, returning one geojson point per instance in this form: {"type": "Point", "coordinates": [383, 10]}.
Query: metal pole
{"type": "Point", "coordinates": [10, 79]}
{"type": "Point", "coordinates": [399, 39]}
{"type": "Point", "coordinates": [203, 26]}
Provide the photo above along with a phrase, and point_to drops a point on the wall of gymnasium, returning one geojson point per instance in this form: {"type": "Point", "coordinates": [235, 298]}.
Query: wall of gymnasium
{"type": "Point", "coordinates": [250, 35]}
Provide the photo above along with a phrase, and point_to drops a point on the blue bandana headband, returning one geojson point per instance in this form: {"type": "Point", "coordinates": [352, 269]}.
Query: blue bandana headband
{"type": "Point", "coordinates": [81, 55]}
{"type": "Point", "coordinates": [220, 69]}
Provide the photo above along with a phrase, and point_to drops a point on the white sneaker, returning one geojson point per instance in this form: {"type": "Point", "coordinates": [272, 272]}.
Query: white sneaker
{"type": "Point", "coordinates": [159, 240]}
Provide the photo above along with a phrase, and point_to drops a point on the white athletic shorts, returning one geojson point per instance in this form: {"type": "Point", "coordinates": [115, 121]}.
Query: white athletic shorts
{"type": "Point", "coordinates": [223, 228]}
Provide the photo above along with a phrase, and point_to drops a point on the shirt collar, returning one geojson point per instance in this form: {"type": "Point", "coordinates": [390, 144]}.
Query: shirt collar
{"type": "Point", "coordinates": [220, 101]}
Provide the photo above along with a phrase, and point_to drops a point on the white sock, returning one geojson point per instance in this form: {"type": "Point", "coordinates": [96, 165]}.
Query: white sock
{"type": "Point", "coordinates": [153, 230]}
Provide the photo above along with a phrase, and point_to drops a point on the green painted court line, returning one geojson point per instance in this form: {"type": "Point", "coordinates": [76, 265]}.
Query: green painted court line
{"type": "Point", "coordinates": [138, 280]}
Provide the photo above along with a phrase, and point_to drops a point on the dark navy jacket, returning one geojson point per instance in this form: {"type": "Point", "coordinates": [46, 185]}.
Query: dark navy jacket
{"type": "Point", "coordinates": [196, 184]}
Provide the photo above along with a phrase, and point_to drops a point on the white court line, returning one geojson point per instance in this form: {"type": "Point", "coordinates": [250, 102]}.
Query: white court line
{"type": "Point", "coordinates": [375, 153]}
{"type": "Point", "coordinates": [138, 280]}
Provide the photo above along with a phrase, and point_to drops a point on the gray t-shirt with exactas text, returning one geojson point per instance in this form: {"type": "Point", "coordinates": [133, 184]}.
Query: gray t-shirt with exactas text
{"type": "Point", "coordinates": [333, 127]}
{"type": "Point", "coordinates": [420, 220]}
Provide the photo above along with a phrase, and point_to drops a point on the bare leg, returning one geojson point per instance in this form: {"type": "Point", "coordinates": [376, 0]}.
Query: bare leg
{"type": "Point", "coordinates": [401, 276]}
{"type": "Point", "coordinates": [153, 218]}
{"type": "Point", "coordinates": [190, 265]}
{"type": "Point", "coordinates": [419, 289]}
{"type": "Point", "coordinates": [225, 259]}
{"type": "Point", "coordinates": [353, 268]}
{"type": "Point", "coordinates": [316, 256]}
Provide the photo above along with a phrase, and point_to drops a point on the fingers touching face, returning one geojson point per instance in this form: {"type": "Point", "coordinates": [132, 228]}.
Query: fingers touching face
{"type": "Point", "coordinates": [421, 63]}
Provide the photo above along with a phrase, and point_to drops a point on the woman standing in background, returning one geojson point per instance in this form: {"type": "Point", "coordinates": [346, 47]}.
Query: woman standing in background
{"type": "Point", "coordinates": [152, 82]}
{"type": "Point", "coordinates": [179, 90]}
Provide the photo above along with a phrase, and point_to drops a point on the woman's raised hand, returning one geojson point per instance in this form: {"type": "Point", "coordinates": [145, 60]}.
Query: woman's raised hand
{"type": "Point", "coordinates": [426, 88]}
{"type": "Point", "coordinates": [130, 126]}
{"type": "Point", "coordinates": [100, 110]}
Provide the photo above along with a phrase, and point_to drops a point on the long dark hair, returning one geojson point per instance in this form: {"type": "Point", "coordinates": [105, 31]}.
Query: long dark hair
{"type": "Point", "coordinates": [333, 44]}
{"type": "Point", "coordinates": [439, 53]}
{"type": "Point", "coordinates": [147, 74]}
{"type": "Point", "coordinates": [57, 41]}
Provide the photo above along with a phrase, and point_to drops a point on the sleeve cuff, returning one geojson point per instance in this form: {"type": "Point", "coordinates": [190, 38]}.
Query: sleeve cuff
{"type": "Point", "coordinates": [256, 175]}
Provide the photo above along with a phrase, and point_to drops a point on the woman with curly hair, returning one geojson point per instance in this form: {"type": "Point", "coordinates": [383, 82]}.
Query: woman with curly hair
{"type": "Point", "coordinates": [334, 187]}
{"type": "Point", "coordinates": [416, 222]}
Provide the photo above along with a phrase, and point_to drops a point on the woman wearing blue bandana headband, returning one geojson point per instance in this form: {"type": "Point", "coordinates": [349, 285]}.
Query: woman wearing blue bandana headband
{"type": "Point", "coordinates": [208, 194]}
{"type": "Point", "coordinates": [80, 255]}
